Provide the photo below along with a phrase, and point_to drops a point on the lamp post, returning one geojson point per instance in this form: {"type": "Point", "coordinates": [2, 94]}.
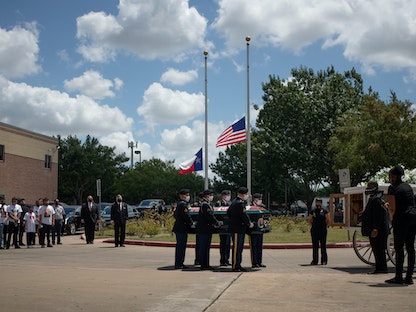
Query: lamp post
{"type": "Point", "coordinates": [131, 145]}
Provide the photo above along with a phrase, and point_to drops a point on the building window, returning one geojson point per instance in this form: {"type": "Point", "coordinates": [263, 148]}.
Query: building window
{"type": "Point", "coordinates": [1, 152]}
{"type": "Point", "coordinates": [48, 161]}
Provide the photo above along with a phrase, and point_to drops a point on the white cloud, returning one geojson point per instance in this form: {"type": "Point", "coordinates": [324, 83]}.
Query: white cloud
{"type": "Point", "coordinates": [166, 106]}
{"type": "Point", "coordinates": [53, 112]}
{"type": "Point", "coordinates": [19, 51]}
{"type": "Point", "coordinates": [178, 78]}
{"type": "Point", "coordinates": [362, 28]}
{"type": "Point", "coordinates": [148, 29]}
{"type": "Point", "coordinates": [92, 84]}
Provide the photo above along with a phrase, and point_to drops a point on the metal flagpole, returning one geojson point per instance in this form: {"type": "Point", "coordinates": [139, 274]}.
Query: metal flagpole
{"type": "Point", "coordinates": [206, 123]}
{"type": "Point", "coordinates": [248, 120]}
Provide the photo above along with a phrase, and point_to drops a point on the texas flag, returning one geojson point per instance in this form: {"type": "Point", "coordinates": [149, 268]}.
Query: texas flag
{"type": "Point", "coordinates": [193, 164]}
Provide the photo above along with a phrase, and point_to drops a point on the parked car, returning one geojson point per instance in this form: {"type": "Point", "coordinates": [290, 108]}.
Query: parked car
{"type": "Point", "coordinates": [73, 219]}
{"type": "Point", "coordinates": [149, 204]}
{"type": "Point", "coordinates": [133, 213]}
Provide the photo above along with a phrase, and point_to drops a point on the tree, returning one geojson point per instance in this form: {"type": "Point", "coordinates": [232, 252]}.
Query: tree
{"type": "Point", "coordinates": [379, 135]}
{"type": "Point", "coordinates": [298, 118]}
{"type": "Point", "coordinates": [81, 164]}
{"type": "Point", "coordinates": [155, 178]}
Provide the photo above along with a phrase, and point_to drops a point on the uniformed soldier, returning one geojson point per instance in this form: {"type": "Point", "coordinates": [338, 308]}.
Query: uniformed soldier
{"type": "Point", "coordinates": [204, 228]}
{"type": "Point", "coordinates": [319, 221]}
{"type": "Point", "coordinates": [197, 204]}
{"type": "Point", "coordinates": [183, 223]}
{"type": "Point", "coordinates": [225, 238]}
{"type": "Point", "coordinates": [238, 224]}
{"type": "Point", "coordinates": [256, 239]}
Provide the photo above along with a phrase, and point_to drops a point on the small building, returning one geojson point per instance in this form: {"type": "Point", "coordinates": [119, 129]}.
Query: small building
{"type": "Point", "coordinates": [28, 164]}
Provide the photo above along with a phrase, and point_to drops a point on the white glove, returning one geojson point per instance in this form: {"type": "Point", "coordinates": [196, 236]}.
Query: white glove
{"type": "Point", "coordinates": [251, 225]}
{"type": "Point", "coordinates": [220, 223]}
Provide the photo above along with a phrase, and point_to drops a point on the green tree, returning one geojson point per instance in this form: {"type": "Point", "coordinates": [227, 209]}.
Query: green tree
{"type": "Point", "coordinates": [298, 118]}
{"type": "Point", "coordinates": [379, 135]}
{"type": "Point", "coordinates": [155, 178]}
{"type": "Point", "coordinates": [81, 164]}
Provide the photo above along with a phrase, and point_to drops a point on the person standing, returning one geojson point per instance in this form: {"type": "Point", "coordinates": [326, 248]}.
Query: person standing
{"type": "Point", "coordinates": [256, 239]}
{"type": "Point", "coordinates": [375, 225]}
{"type": "Point", "coordinates": [319, 221]}
{"type": "Point", "coordinates": [46, 216]}
{"type": "Point", "coordinates": [89, 215]}
{"type": "Point", "coordinates": [204, 228]}
{"type": "Point", "coordinates": [59, 218]}
{"type": "Point", "coordinates": [25, 208]}
{"type": "Point", "coordinates": [225, 237]}
{"type": "Point", "coordinates": [29, 223]}
{"type": "Point", "coordinates": [181, 227]}
{"type": "Point", "coordinates": [238, 224]}
{"type": "Point", "coordinates": [197, 204]}
{"type": "Point", "coordinates": [14, 212]}
{"type": "Point", "coordinates": [404, 225]}
{"type": "Point", "coordinates": [3, 221]}
{"type": "Point", "coordinates": [119, 216]}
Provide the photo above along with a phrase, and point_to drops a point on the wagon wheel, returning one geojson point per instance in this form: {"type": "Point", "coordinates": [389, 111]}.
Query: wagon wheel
{"type": "Point", "coordinates": [363, 249]}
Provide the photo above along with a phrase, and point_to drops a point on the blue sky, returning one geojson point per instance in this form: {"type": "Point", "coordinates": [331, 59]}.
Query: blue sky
{"type": "Point", "coordinates": [133, 70]}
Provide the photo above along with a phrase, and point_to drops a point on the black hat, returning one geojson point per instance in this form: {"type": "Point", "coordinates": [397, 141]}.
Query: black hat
{"type": "Point", "coordinates": [242, 190]}
{"type": "Point", "coordinates": [201, 194]}
{"type": "Point", "coordinates": [225, 192]}
{"type": "Point", "coordinates": [257, 195]}
{"type": "Point", "coordinates": [397, 171]}
{"type": "Point", "coordinates": [184, 191]}
{"type": "Point", "coordinates": [208, 192]}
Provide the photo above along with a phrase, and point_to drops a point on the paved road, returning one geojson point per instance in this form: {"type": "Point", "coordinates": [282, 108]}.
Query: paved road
{"type": "Point", "coordinates": [79, 277]}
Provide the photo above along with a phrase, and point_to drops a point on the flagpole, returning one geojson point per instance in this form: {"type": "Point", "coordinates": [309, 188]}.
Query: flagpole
{"type": "Point", "coordinates": [206, 123]}
{"type": "Point", "coordinates": [248, 120]}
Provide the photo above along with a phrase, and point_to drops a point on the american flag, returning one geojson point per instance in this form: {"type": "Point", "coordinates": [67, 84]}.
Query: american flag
{"type": "Point", "coordinates": [235, 133]}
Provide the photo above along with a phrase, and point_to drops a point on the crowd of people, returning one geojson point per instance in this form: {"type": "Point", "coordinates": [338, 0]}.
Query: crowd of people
{"type": "Point", "coordinates": [44, 219]}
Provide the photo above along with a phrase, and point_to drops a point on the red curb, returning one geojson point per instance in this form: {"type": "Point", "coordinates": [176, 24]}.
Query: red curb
{"type": "Point", "coordinates": [246, 246]}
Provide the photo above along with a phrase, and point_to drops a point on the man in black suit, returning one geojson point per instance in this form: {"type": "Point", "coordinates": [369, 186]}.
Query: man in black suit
{"type": "Point", "coordinates": [89, 215]}
{"type": "Point", "coordinates": [119, 216]}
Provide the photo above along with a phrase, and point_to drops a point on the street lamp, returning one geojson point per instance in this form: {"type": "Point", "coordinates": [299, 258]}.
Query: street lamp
{"type": "Point", "coordinates": [131, 145]}
{"type": "Point", "coordinates": [140, 156]}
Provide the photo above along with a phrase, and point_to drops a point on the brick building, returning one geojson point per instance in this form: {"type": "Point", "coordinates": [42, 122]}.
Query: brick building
{"type": "Point", "coordinates": [28, 164]}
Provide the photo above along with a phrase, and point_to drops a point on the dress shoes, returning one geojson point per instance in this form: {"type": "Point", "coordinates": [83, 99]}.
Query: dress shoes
{"type": "Point", "coordinates": [395, 280]}
{"type": "Point", "coordinates": [122, 245]}
{"type": "Point", "coordinates": [239, 270]}
{"type": "Point", "coordinates": [378, 272]}
{"type": "Point", "coordinates": [314, 263]}
{"type": "Point", "coordinates": [255, 266]}
{"type": "Point", "coordinates": [261, 265]}
{"type": "Point", "coordinates": [408, 280]}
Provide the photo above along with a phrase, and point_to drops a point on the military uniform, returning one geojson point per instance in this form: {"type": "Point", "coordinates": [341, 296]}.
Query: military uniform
{"type": "Point", "coordinates": [204, 229]}
{"type": "Point", "coordinates": [238, 225]}
{"type": "Point", "coordinates": [183, 223]}
{"type": "Point", "coordinates": [225, 238]}
{"type": "Point", "coordinates": [256, 242]}
{"type": "Point", "coordinates": [319, 233]}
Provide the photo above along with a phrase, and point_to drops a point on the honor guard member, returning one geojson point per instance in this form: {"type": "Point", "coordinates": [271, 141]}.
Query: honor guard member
{"type": "Point", "coordinates": [197, 204]}
{"type": "Point", "coordinates": [238, 224]}
{"type": "Point", "coordinates": [256, 239]}
{"type": "Point", "coordinates": [204, 228]}
{"type": "Point", "coordinates": [319, 221]}
{"type": "Point", "coordinates": [225, 237]}
{"type": "Point", "coordinates": [404, 225]}
{"type": "Point", "coordinates": [183, 223]}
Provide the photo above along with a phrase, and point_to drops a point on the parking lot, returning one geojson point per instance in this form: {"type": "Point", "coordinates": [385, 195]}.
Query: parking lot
{"type": "Point", "coordinates": [79, 277]}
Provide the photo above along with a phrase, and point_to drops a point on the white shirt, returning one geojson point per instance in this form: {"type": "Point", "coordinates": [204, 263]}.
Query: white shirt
{"type": "Point", "coordinates": [46, 214]}
{"type": "Point", "coordinates": [14, 210]}
{"type": "Point", "coordinates": [3, 213]}
{"type": "Point", "coordinates": [30, 218]}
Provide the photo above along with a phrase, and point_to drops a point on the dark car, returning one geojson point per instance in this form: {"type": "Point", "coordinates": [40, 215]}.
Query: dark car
{"type": "Point", "coordinates": [106, 214]}
{"type": "Point", "coordinates": [148, 204]}
{"type": "Point", "coordinates": [73, 219]}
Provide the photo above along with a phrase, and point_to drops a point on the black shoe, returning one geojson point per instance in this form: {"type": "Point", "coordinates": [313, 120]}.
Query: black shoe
{"type": "Point", "coordinates": [261, 265]}
{"type": "Point", "coordinates": [408, 280]}
{"type": "Point", "coordinates": [314, 263]}
{"type": "Point", "coordinates": [324, 263]}
{"type": "Point", "coordinates": [227, 263]}
{"type": "Point", "coordinates": [196, 262]}
{"type": "Point", "coordinates": [122, 245]}
{"type": "Point", "coordinates": [223, 264]}
{"type": "Point", "coordinates": [207, 267]}
{"type": "Point", "coordinates": [255, 266]}
{"type": "Point", "coordinates": [116, 246]}
{"type": "Point", "coordinates": [178, 267]}
{"type": "Point", "coordinates": [1, 247]}
{"type": "Point", "coordinates": [59, 243]}
{"type": "Point", "coordinates": [17, 246]}
{"type": "Point", "coordinates": [22, 244]}
{"type": "Point", "coordinates": [395, 280]}
{"type": "Point", "coordinates": [378, 272]}
{"type": "Point", "coordinates": [49, 245]}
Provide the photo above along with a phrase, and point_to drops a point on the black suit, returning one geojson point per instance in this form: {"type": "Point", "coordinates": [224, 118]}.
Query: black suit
{"type": "Point", "coordinates": [90, 217]}
{"type": "Point", "coordinates": [119, 214]}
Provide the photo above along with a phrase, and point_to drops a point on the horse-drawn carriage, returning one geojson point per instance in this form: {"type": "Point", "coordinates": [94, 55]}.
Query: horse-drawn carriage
{"type": "Point", "coordinates": [346, 210]}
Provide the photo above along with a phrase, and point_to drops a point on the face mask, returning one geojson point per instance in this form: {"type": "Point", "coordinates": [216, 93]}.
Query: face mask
{"type": "Point", "coordinates": [227, 198]}
{"type": "Point", "coordinates": [210, 198]}
{"type": "Point", "coordinates": [187, 198]}
{"type": "Point", "coordinates": [119, 200]}
{"type": "Point", "coordinates": [245, 197]}
{"type": "Point", "coordinates": [258, 202]}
